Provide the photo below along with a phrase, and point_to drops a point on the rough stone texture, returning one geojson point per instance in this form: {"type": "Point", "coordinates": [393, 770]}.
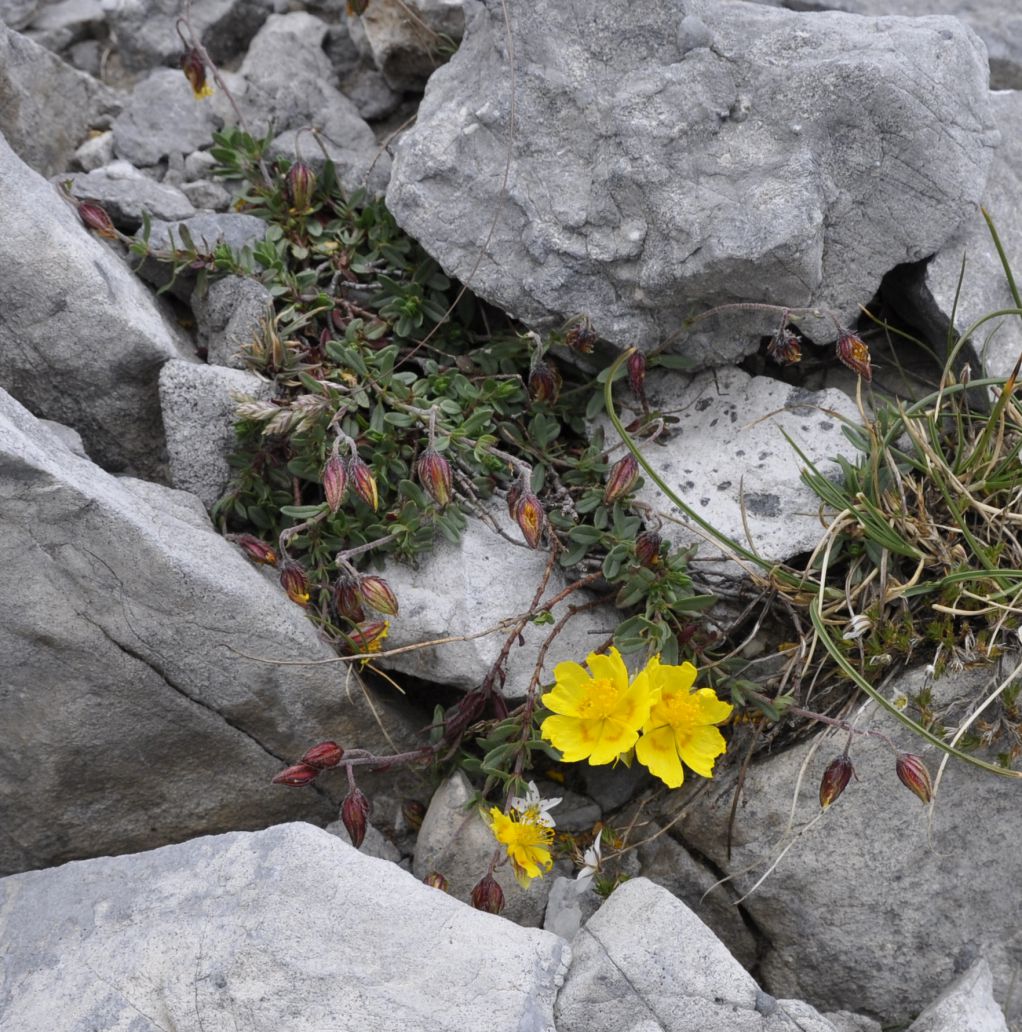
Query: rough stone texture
{"type": "Point", "coordinates": [96, 151]}
{"type": "Point", "coordinates": [59, 25]}
{"type": "Point", "coordinates": [146, 36]}
{"type": "Point", "coordinates": [282, 930]}
{"type": "Point", "coordinates": [207, 194]}
{"type": "Point", "coordinates": [162, 117]}
{"type": "Point", "coordinates": [229, 316]}
{"type": "Point", "coordinates": [455, 841]}
{"type": "Point", "coordinates": [405, 38]}
{"type": "Point", "coordinates": [728, 447]}
{"type": "Point", "coordinates": [126, 193]}
{"type": "Point", "coordinates": [865, 912]}
{"type": "Point", "coordinates": [476, 584]}
{"type": "Point", "coordinates": [967, 1005]}
{"type": "Point", "coordinates": [680, 153]}
{"type": "Point", "coordinates": [645, 957]}
{"type": "Point", "coordinates": [930, 290]}
{"type": "Point", "coordinates": [998, 23]}
{"type": "Point", "coordinates": [131, 718]}
{"type": "Point", "coordinates": [846, 1021]}
{"type": "Point", "coordinates": [198, 419]}
{"type": "Point", "coordinates": [569, 907]}
{"type": "Point", "coordinates": [16, 14]}
{"type": "Point", "coordinates": [375, 843]}
{"type": "Point", "coordinates": [81, 340]}
{"type": "Point", "coordinates": [46, 106]}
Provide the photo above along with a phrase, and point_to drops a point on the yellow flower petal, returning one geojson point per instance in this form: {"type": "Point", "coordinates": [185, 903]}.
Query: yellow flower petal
{"type": "Point", "coordinates": [610, 666]}
{"type": "Point", "coordinates": [703, 746]}
{"type": "Point", "coordinates": [635, 706]}
{"type": "Point", "coordinates": [711, 709]}
{"type": "Point", "coordinates": [658, 753]}
{"type": "Point", "coordinates": [615, 738]}
{"type": "Point", "coordinates": [573, 737]}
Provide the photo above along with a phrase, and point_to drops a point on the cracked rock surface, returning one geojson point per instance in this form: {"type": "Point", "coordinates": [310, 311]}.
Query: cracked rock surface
{"type": "Point", "coordinates": [131, 718]}
{"type": "Point", "coordinates": [277, 931]}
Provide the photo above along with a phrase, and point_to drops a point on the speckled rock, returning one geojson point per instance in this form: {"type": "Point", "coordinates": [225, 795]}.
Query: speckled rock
{"type": "Point", "coordinates": [966, 1005]}
{"type": "Point", "coordinates": [126, 193]}
{"type": "Point", "coordinates": [229, 316]}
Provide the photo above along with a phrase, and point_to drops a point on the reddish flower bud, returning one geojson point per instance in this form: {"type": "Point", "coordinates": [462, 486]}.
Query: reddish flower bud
{"type": "Point", "coordinates": [297, 776]}
{"type": "Point", "coordinates": [435, 476]}
{"type": "Point", "coordinates": [195, 72]}
{"type": "Point", "coordinates": [335, 482]}
{"type": "Point", "coordinates": [363, 481]}
{"type": "Point", "coordinates": [348, 599]}
{"type": "Point", "coordinates": [581, 338]}
{"type": "Point", "coordinates": [378, 593]}
{"type": "Point", "coordinates": [530, 517]}
{"type": "Point", "coordinates": [258, 551]}
{"type": "Point", "coordinates": [413, 812]}
{"type": "Point", "coordinates": [355, 814]}
{"type": "Point", "coordinates": [514, 494]}
{"type": "Point", "coordinates": [784, 348]}
{"type": "Point", "coordinates": [621, 479]}
{"type": "Point", "coordinates": [96, 217]}
{"type": "Point", "coordinates": [544, 383]}
{"type": "Point", "coordinates": [914, 775]}
{"type": "Point", "coordinates": [326, 754]}
{"type": "Point", "coordinates": [488, 895]}
{"type": "Point", "coordinates": [637, 373]}
{"type": "Point", "coordinates": [368, 637]}
{"type": "Point", "coordinates": [835, 779]}
{"type": "Point", "coordinates": [294, 582]}
{"type": "Point", "coordinates": [300, 184]}
{"type": "Point", "coordinates": [853, 352]}
{"type": "Point", "coordinates": [437, 881]}
{"type": "Point", "coordinates": [647, 548]}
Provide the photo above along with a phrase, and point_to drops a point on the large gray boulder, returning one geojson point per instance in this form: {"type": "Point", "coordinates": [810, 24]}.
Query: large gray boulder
{"type": "Point", "coordinates": [692, 152]}
{"type": "Point", "coordinates": [126, 193]}
{"type": "Point", "coordinates": [967, 1005]}
{"type": "Point", "coordinates": [153, 681]}
{"type": "Point", "coordinates": [867, 911]}
{"type": "Point", "coordinates": [278, 931]}
{"type": "Point", "coordinates": [932, 291]}
{"type": "Point", "coordinates": [81, 340]}
{"type": "Point", "coordinates": [46, 106]}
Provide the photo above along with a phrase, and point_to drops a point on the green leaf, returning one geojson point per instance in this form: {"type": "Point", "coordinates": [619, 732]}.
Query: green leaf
{"type": "Point", "coordinates": [303, 512]}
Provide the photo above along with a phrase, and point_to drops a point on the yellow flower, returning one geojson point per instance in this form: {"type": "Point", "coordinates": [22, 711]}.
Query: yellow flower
{"type": "Point", "coordinates": [680, 725]}
{"type": "Point", "coordinates": [527, 839]}
{"type": "Point", "coordinates": [597, 714]}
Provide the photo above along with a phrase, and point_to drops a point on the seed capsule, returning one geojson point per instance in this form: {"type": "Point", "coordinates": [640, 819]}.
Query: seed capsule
{"type": "Point", "coordinates": [363, 481]}
{"type": "Point", "coordinates": [435, 476]}
{"type": "Point", "coordinates": [378, 593]}
{"type": "Point", "coordinates": [531, 518]}
{"type": "Point", "coordinates": [348, 599]}
{"type": "Point", "coordinates": [297, 776]}
{"type": "Point", "coordinates": [647, 548]}
{"type": "Point", "coordinates": [544, 383]}
{"type": "Point", "coordinates": [335, 482]}
{"type": "Point", "coordinates": [355, 815]}
{"type": "Point", "coordinates": [96, 217]}
{"type": "Point", "coordinates": [488, 895]}
{"type": "Point", "coordinates": [295, 583]}
{"type": "Point", "coordinates": [914, 775]}
{"type": "Point", "coordinates": [784, 348]}
{"type": "Point", "coordinates": [195, 72]}
{"type": "Point", "coordinates": [258, 551]}
{"type": "Point", "coordinates": [368, 637]}
{"type": "Point", "coordinates": [853, 352]}
{"type": "Point", "coordinates": [622, 478]}
{"type": "Point", "coordinates": [835, 779]}
{"type": "Point", "coordinates": [637, 373]}
{"type": "Point", "coordinates": [413, 812]}
{"type": "Point", "coordinates": [326, 754]}
{"type": "Point", "coordinates": [300, 184]}
{"type": "Point", "coordinates": [581, 338]}
{"type": "Point", "coordinates": [437, 881]}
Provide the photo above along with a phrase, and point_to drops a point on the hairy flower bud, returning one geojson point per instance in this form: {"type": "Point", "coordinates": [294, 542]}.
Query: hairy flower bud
{"type": "Point", "coordinates": [621, 479]}
{"type": "Point", "coordinates": [195, 72]}
{"type": "Point", "coordinates": [368, 637]}
{"type": "Point", "coordinates": [363, 481]}
{"type": "Point", "coordinates": [96, 217]}
{"type": "Point", "coordinates": [326, 754]}
{"type": "Point", "coordinates": [835, 779]}
{"type": "Point", "coordinates": [853, 352]}
{"type": "Point", "coordinates": [413, 812]}
{"type": "Point", "coordinates": [544, 383]}
{"type": "Point", "coordinates": [514, 494]}
{"type": "Point", "coordinates": [335, 482]}
{"type": "Point", "coordinates": [581, 338]}
{"type": "Point", "coordinates": [530, 517]}
{"type": "Point", "coordinates": [647, 548]}
{"type": "Point", "coordinates": [784, 348]}
{"type": "Point", "coordinates": [294, 582]}
{"type": "Point", "coordinates": [435, 476]}
{"type": "Point", "coordinates": [379, 594]}
{"type": "Point", "coordinates": [297, 776]}
{"type": "Point", "coordinates": [637, 373]}
{"type": "Point", "coordinates": [348, 599]}
{"type": "Point", "coordinates": [300, 184]}
{"type": "Point", "coordinates": [914, 775]}
{"type": "Point", "coordinates": [258, 551]}
{"type": "Point", "coordinates": [355, 814]}
{"type": "Point", "coordinates": [488, 895]}
{"type": "Point", "coordinates": [436, 881]}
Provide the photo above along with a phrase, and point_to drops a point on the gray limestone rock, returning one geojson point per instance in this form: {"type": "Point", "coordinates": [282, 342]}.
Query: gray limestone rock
{"type": "Point", "coordinates": [769, 156]}
{"type": "Point", "coordinates": [16, 14]}
{"type": "Point", "coordinates": [81, 340]}
{"type": "Point", "coordinates": [867, 911]}
{"type": "Point", "coordinates": [930, 290]}
{"type": "Point", "coordinates": [163, 117]}
{"type": "Point", "coordinates": [59, 25]}
{"type": "Point", "coordinates": [46, 106]}
{"type": "Point", "coordinates": [727, 450]}
{"type": "Point", "coordinates": [144, 699]}
{"type": "Point", "coordinates": [277, 931]}
{"type": "Point", "coordinates": [645, 957]}
{"type": "Point", "coordinates": [479, 584]}
{"type": "Point", "coordinates": [367, 89]}
{"type": "Point", "coordinates": [229, 316]}
{"type": "Point", "coordinates": [207, 194]}
{"type": "Point", "coordinates": [126, 193]}
{"type": "Point", "coordinates": [96, 151]}
{"type": "Point", "coordinates": [569, 906]}
{"type": "Point", "coordinates": [966, 1005]}
{"type": "Point", "coordinates": [198, 418]}
{"type": "Point", "coordinates": [375, 843]}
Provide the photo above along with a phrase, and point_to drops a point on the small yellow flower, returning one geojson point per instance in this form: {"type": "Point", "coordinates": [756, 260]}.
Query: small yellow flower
{"type": "Point", "coordinates": [527, 840]}
{"type": "Point", "coordinates": [597, 713]}
{"type": "Point", "coordinates": [194, 68]}
{"type": "Point", "coordinates": [680, 725]}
